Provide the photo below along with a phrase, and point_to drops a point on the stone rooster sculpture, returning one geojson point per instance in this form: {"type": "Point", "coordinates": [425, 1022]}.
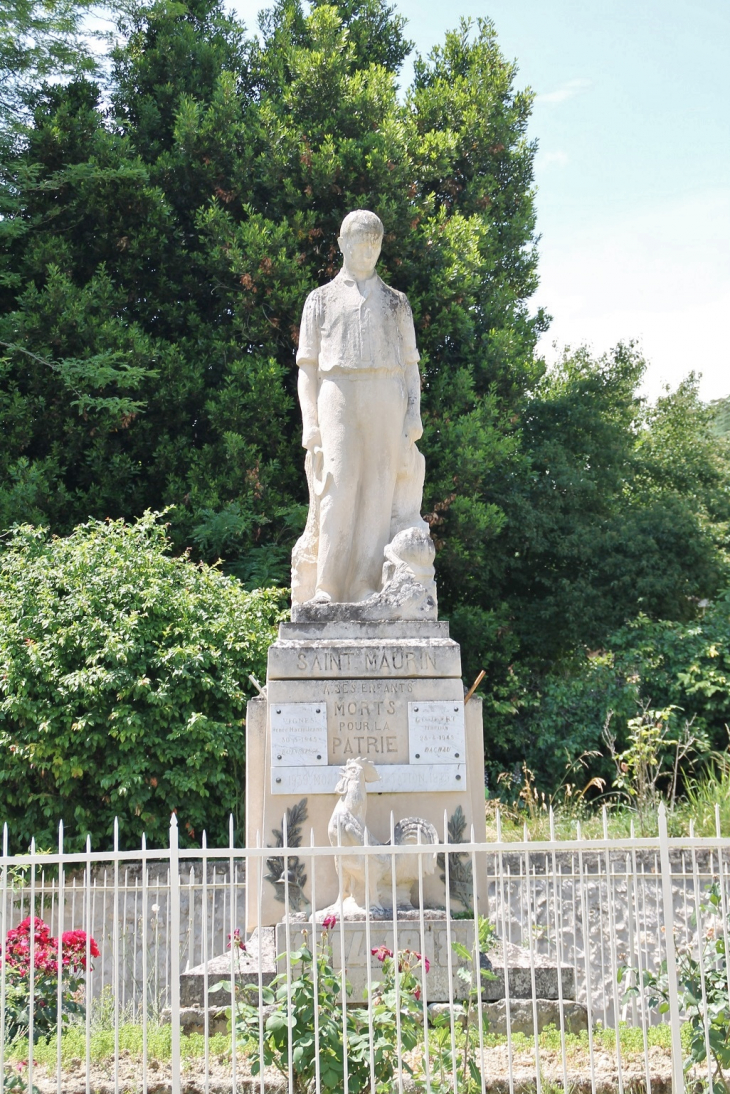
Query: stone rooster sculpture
{"type": "Point", "coordinates": [347, 829]}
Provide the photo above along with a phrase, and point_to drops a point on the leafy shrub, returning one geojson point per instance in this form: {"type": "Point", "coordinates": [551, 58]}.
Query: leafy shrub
{"type": "Point", "coordinates": [123, 685]}
{"type": "Point", "coordinates": [703, 997]}
{"type": "Point", "coordinates": [17, 959]}
{"type": "Point", "coordinates": [680, 667]}
{"type": "Point", "coordinates": [307, 994]}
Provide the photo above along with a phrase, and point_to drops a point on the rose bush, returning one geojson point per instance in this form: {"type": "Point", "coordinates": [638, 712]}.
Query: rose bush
{"type": "Point", "coordinates": [30, 956]}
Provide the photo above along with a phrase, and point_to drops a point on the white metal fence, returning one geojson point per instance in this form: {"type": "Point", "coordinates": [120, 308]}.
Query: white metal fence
{"type": "Point", "coordinates": [566, 917]}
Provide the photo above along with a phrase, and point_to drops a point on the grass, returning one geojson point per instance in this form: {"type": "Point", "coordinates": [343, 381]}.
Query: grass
{"type": "Point", "coordinates": [631, 1040]}
{"type": "Point", "coordinates": [159, 1043]}
{"type": "Point", "coordinates": [571, 809]}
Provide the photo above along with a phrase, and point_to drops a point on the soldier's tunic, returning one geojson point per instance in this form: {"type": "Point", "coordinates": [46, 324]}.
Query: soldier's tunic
{"type": "Point", "coordinates": [361, 338]}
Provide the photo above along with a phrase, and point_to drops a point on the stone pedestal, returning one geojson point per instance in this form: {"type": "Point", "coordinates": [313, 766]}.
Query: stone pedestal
{"type": "Point", "coordinates": [389, 692]}
{"type": "Point", "coordinates": [434, 944]}
{"type": "Point", "coordinates": [253, 966]}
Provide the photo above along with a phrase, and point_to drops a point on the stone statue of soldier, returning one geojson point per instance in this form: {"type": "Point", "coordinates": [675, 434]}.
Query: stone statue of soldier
{"type": "Point", "coordinates": [365, 545]}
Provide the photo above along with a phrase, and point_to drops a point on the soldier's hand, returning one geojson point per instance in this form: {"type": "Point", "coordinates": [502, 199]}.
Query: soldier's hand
{"type": "Point", "coordinates": [311, 438]}
{"type": "Point", "coordinates": [413, 430]}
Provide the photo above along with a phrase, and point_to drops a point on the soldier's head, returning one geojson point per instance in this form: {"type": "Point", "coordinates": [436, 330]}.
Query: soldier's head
{"type": "Point", "coordinates": [360, 240]}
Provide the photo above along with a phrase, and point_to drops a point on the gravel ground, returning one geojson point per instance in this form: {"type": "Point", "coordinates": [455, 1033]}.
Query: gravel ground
{"type": "Point", "coordinates": [495, 1066]}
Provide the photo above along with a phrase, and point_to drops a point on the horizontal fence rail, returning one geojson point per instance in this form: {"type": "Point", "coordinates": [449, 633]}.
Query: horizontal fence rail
{"type": "Point", "coordinates": [581, 964]}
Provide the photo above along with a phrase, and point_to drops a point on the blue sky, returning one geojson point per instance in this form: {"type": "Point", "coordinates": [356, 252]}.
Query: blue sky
{"type": "Point", "coordinates": [632, 116]}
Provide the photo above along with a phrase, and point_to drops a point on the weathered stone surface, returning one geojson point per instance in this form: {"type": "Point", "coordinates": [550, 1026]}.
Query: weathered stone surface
{"type": "Point", "coordinates": [443, 1013]}
{"type": "Point", "coordinates": [192, 1019]}
{"type": "Point", "coordinates": [358, 958]}
{"type": "Point", "coordinates": [265, 811]}
{"type": "Point", "coordinates": [520, 975]}
{"type": "Point", "coordinates": [521, 1016]}
{"type": "Point", "coordinates": [302, 631]}
{"type": "Point", "coordinates": [366, 552]}
{"type": "Point", "coordinates": [247, 966]}
{"type": "Point", "coordinates": [402, 598]}
{"type": "Point", "coordinates": [434, 943]}
{"type": "Point", "coordinates": [366, 718]}
{"type": "Point", "coordinates": [385, 658]}
{"type": "Point", "coordinates": [367, 882]}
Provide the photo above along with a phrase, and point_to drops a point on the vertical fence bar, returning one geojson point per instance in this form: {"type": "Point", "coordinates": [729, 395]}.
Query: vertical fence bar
{"type": "Point", "coordinates": [31, 971]}
{"type": "Point", "coordinates": [102, 965]}
{"type": "Point", "coordinates": [3, 963]}
{"type": "Point", "coordinates": [632, 929]}
{"type": "Point", "coordinates": [88, 985]}
{"type": "Point", "coordinates": [587, 958]}
{"type": "Point", "coordinates": [174, 936]}
{"type": "Point", "coordinates": [287, 933]}
{"type": "Point", "coordinates": [478, 961]}
{"type": "Point", "coordinates": [368, 966]}
{"type": "Point", "coordinates": [394, 900]}
{"type": "Point", "coordinates": [123, 940]}
{"type": "Point", "coordinates": [59, 959]}
{"type": "Point", "coordinates": [634, 911]}
{"type": "Point", "coordinates": [315, 969]}
{"type": "Point", "coordinates": [343, 977]}
{"type": "Point", "coordinates": [613, 953]}
{"type": "Point", "coordinates": [700, 956]}
{"type": "Point", "coordinates": [668, 909]}
{"type": "Point", "coordinates": [505, 943]}
{"type": "Point", "coordinates": [145, 970]}
{"type": "Point", "coordinates": [558, 946]}
{"type": "Point", "coordinates": [449, 959]}
{"type": "Point", "coordinates": [168, 971]}
{"type": "Point", "coordinates": [135, 947]}
{"type": "Point", "coordinates": [533, 984]}
{"type": "Point", "coordinates": [232, 913]}
{"type": "Point", "coordinates": [115, 955]}
{"type": "Point", "coordinates": [190, 953]}
{"type": "Point", "coordinates": [204, 955]}
{"type": "Point", "coordinates": [424, 987]}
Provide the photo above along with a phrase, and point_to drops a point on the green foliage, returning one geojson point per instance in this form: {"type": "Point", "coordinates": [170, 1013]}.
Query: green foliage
{"type": "Point", "coordinates": [43, 1001]}
{"type": "Point", "coordinates": [679, 667]}
{"type": "Point", "coordinates": [123, 684]}
{"type": "Point", "coordinates": [131, 1040]}
{"type": "Point", "coordinates": [365, 1042]}
{"type": "Point", "coordinates": [624, 509]}
{"type": "Point", "coordinates": [155, 252]}
{"type": "Point", "coordinates": [649, 767]}
{"type": "Point", "coordinates": [703, 996]}
{"type": "Point", "coordinates": [455, 1056]}
{"type": "Point", "coordinates": [180, 234]}
{"type": "Point", "coordinates": [708, 797]}
{"type": "Point", "coordinates": [38, 39]}
{"type": "Point", "coordinates": [721, 416]}
{"type": "Point", "coordinates": [619, 544]}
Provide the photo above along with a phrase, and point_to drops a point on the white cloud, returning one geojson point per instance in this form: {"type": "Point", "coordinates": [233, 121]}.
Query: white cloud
{"type": "Point", "coordinates": [568, 90]}
{"type": "Point", "coordinates": [661, 276]}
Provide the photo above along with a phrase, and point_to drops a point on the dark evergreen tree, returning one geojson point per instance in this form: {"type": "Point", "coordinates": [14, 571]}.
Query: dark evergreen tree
{"type": "Point", "coordinates": [156, 247]}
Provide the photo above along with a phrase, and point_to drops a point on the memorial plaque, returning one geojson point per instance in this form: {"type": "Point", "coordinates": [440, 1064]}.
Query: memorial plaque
{"type": "Point", "coordinates": [436, 732]}
{"type": "Point", "coordinates": [394, 779]}
{"type": "Point", "coordinates": [298, 735]}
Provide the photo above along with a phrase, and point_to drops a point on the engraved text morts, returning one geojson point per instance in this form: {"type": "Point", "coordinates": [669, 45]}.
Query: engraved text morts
{"type": "Point", "coordinates": [364, 701]}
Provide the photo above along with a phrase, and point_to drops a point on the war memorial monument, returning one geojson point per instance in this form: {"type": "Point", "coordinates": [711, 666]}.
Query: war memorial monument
{"type": "Point", "coordinates": [363, 713]}
{"type": "Point", "coordinates": [363, 733]}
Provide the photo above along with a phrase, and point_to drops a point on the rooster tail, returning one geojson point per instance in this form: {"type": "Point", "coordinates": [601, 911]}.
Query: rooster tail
{"type": "Point", "coordinates": [414, 830]}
